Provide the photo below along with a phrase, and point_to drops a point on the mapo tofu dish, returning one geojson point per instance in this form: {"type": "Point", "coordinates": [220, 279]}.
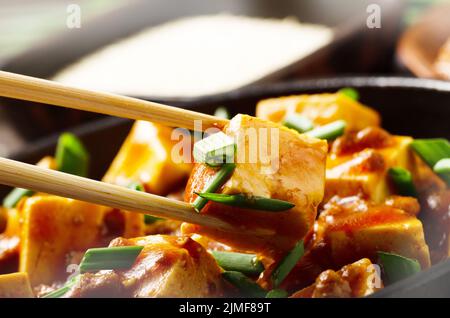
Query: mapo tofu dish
{"type": "Point", "coordinates": [322, 202]}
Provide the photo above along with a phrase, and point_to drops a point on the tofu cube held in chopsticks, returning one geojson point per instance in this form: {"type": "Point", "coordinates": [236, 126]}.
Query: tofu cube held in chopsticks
{"type": "Point", "coordinates": [294, 173]}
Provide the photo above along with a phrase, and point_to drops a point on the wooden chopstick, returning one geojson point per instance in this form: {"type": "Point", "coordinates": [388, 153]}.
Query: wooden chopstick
{"type": "Point", "coordinates": [53, 93]}
{"type": "Point", "coordinates": [22, 175]}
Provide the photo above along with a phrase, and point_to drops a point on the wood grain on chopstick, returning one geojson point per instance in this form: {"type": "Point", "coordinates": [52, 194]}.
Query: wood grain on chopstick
{"type": "Point", "coordinates": [53, 93]}
{"type": "Point", "coordinates": [22, 175]}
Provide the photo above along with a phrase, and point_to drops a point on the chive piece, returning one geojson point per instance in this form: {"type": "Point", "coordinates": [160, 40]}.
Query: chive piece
{"type": "Point", "coordinates": [121, 257]}
{"type": "Point", "coordinates": [247, 264]}
{"type": "Point", "coordinates": [329, 131]}
{"type": "Point", "coordinates": [431, 150]}
{"type": "Point", "coordinates": [403, 181]}
{"type": "Point", "coordinates": [287, 264]}
{"type": "Point", "coordinates": [277, 293]}
{"type": "Point", "coordinates": [248, 202]}
{"type": "Point", "coordinates": [63, 290]}
{"type": "Point", "coordinates": [442, 167]}
{"type": "Point", "coordinates": [298, 122]}
{"type": "Point", "coordinates": [11, 200]}
{"type": "Point", "coordinates": [219, 179]}
{"type": "Point", "coordinates": [349, 92]}
{"type": "Point", "coordinates": [222, 112]}
{"type": "Point", "coordinates": [397, 267]}
{"type": "Point", "coordinates": [148, 219]}
{"type": "Point", "coordinates": [71, 156]}
{"type": "Point", "coordinates": [215, 150]}
{"type": "Point", "coordinates": [248, 287]}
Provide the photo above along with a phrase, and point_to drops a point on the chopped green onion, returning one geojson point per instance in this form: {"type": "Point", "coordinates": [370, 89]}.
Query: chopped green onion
{"type": "Point", "coordinates": [442, 167]}
{"type": "Point", "coordinates": [287, 264]}
{"type": "Point", "coordinates": [222, 112]}
{"type": "Point", "coordinates": [403, 181]}
{"type": "Point", "coordinates": [121, 257]}
{"type": "Point", "coordinates": [431, 150]}
{"type": "Point", "coordinates": [218, 180]}
{"type": "Point", "coordinates": [148, 219]}
{"type": "Point", "coordinates": [11, 200]}
{"type": "Point", "coordinates": [63, 290]}
{"type": "Point", "coordinates": [71, 156]}
{"type": "Point", "coordinates": [248, 202]}
{"type": "Point", "coordinates": [298, 122]}
{"type": "Point", "coordinates": [136, 186]}
{"type": "Point", "coordinates": [329, 131]}
{"type": "Point", "coordinates": [397, 267]}
{"type": "Point", "coordinates": [349, 92]}
{"type": "Point", "coordinates": [215, 150]}
{"type": "Point", "coordinates": [247, 264]}
{"type": "Point", "coordinates": [247, 286]}
{"type": "Point", "coordinates": [277, 293]}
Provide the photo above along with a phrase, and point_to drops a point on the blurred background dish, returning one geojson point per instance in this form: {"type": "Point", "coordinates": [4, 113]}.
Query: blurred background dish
{"type": "Point", "coordinates": [424, 48]}
{"type": "Point", "coordinates": [344, 49]}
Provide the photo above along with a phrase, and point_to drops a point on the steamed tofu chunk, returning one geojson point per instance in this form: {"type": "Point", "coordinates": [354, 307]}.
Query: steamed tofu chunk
{"type": "Point", "coordinates": [52, 228]}
{"type": "Point", "coordinates": [295, 173]}
{"type": "Point", "coordinates": [358, 164]}
{"type": "Point", "coordinates": [15, 285]}
{"type": "Point", "coordinates": [358, 279]}
{"type": "Point", "coordinates": [168, 266]}
{"type": "Point", "coordinates": [321, 109]}
{"type": "Point", "coordinates": [146, 157]}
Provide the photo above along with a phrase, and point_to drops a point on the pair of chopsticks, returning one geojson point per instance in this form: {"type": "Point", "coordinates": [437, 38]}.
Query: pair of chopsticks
{"type": "Point", "coordinates": [17, 174]}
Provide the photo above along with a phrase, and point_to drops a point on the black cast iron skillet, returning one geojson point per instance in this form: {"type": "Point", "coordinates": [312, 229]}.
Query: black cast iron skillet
{"type": "Point", "coordinates": [416, 107]}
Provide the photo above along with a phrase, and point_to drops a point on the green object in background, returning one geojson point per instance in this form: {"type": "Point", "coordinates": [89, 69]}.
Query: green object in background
{"type": "Point", "coordinates": [349, 92]}
{"type": "Point", "coordinates": [329, 131]}
{"type": "Point", "coordinates": [277, 293]}
{"type": "Point", "coordinates": [442, 168]}
{"type": "Point", "coordinates": [298, 122]}
{"type": "Point", "coordinates": [222, 112]}
{"type": "Point", "coordinates": [71, 156]}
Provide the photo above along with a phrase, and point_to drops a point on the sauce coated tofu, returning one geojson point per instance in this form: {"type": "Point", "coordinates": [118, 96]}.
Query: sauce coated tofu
{"type": "Point", "coordinates": [168, 266]}
{"type": "Point", "coordinates": [358, 279]}
{"type": "Point", "coordinates": [299, 179]}
{"type": "Point", "coordinates": [361, 169]}
{"type": "Point", "coordinates": [146, 157]}
{"type": "Point", "coordinates": [15, 285]}
{"type": "Point", "coordinates": [52, 228]}
{"type": "Point", "coordinates": [354, 229]}
{"type": "Point", "coordinates": [321, 109]}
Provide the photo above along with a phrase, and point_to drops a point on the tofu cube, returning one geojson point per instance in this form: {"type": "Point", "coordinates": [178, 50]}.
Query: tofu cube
{"type": "Point", "coordinates": [295, 173]}
{"type": "Point", "coordinates": [145, 157]}
{"type": "Point", "coordinates": [321, 109]}
{"type": "Point", "coordinates": [15, 285]}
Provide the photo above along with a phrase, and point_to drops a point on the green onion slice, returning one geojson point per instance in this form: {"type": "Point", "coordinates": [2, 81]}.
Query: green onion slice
{"type": "Point", "coordinates": [222, 112]}
{"type": "Point", "coordinates": [397, 267]}
{"type": "Point", "coordinates": [287, 264]}
{"type": "Point", "coordinates": [248, 202]}
{"type": "Point", "coordinates": [121, 257]}
{"type": "Point", "coordinates": [11, 200]}
{"type": "Point", "coordinates": [219, 179]}
{"type": "Point", "coordinates": [247, 264]}
{"type": "Point", "coordinates": [431, 150]}
{"type": "Point", "coordinates": [442, 167]}
{"type": "Point", "coordinates": [71, 156]}
{"type": "Point", "coordinates": [298, 122]}
{"type": "Point", "coordinates": [277, 293]}
{"type": "Point", "coordinates": [403, 181]}
{"type": "Point", "coordinates": [63, 290]}
{"type": "Point", "coordinates": [215, 150]}
{"type": "Point", "coordinates": [349, 92]}
{"type": "Point", "coordinates": [329, 131]}
{"type": "Point", "coordinates": [248, 287]}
